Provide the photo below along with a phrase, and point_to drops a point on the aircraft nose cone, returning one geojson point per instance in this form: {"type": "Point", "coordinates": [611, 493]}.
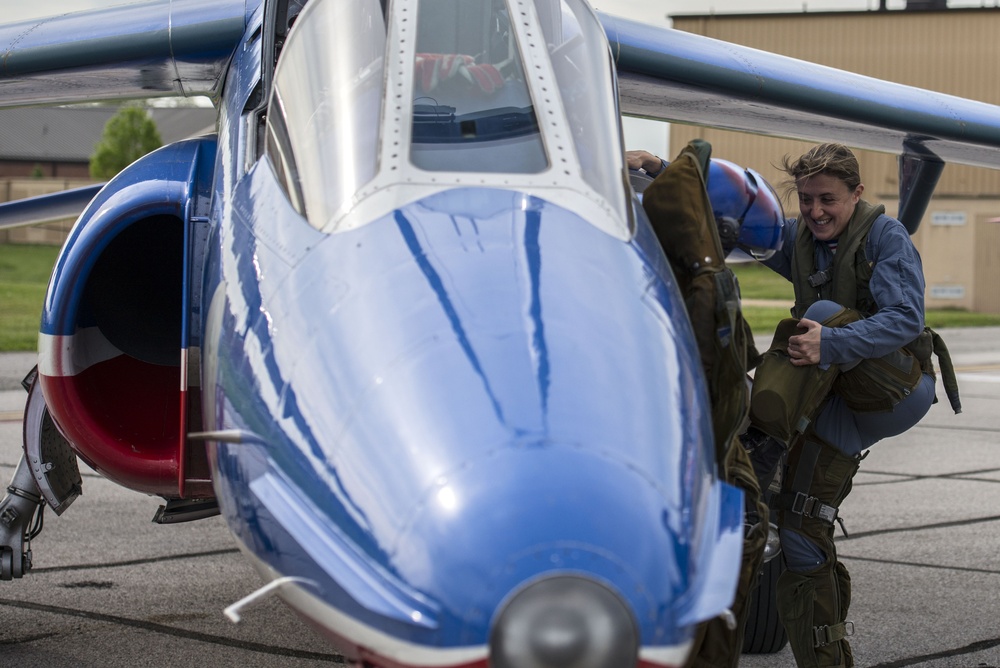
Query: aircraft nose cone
{"type": "Point", "coordinates": [564, 622]}
{"type": "Point", "coordinates": [561, 637]}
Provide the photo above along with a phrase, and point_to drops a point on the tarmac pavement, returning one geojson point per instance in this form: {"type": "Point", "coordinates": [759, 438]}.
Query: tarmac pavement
{"type": "Point", "coordinates": [109, 588]}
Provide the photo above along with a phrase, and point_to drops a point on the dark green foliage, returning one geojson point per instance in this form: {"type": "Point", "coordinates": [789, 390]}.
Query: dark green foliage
{"type": "Point", "coordinates": [129, 135]}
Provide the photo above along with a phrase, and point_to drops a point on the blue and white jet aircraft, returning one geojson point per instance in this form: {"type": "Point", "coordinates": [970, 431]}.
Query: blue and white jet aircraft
{"type": "Point", "coordinates": [402, 320]}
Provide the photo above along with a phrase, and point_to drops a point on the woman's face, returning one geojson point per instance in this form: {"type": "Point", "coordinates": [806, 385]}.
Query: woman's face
{"type": "Point", "coordinates": [827, 204]}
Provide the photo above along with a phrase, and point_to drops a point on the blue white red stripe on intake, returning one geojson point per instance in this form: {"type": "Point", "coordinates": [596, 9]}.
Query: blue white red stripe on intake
{"type": "Point", "coordinates": [120, 414]}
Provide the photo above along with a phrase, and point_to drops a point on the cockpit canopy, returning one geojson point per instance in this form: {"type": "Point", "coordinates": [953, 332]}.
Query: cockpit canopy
{"type": "Point", "coordinates": [444, 93]}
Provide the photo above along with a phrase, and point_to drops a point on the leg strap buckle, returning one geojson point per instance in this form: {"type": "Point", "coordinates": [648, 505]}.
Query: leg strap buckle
{"type": "Point", "coordinates": [825, 635]}
{"type": "Point", "coordinates": [810, 506]}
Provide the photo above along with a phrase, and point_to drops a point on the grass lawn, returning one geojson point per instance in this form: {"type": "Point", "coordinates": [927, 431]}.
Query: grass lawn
{"type": "Point", "coordinates": [760, 283]}
{"type": "Point", "coordinates": [24, 275]}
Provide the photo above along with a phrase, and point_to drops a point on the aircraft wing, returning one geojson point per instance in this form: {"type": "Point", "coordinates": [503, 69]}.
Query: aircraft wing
{"type": "Point", "coordinates": [676, 76]}
{"type": "Point", "coordinates": [150, 49]}
{"type": "Point", "coordinates": [47, 208]}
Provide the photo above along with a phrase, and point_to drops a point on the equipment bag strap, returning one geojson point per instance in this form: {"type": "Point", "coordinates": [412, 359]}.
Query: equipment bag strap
{"type": "Point", "coordinates": [947, 372]}
{"type": "Point", "coordinates": [797, 499]}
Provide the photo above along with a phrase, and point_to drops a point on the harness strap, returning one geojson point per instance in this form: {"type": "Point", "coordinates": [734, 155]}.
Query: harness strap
{"type": "Point", "coordinates": [825, 635]}
{"type": "Point", "coordinates": [803, 505]}
{"type": "Point", "coordinates": [801, 483]}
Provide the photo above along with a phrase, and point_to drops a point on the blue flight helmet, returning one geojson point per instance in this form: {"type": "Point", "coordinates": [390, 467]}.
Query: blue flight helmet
{"type": "Point", "coordinates": [746, 208]}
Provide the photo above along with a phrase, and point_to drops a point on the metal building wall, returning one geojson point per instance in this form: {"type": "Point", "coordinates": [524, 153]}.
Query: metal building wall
{"type": "Point", "coordinates": [954, 51]}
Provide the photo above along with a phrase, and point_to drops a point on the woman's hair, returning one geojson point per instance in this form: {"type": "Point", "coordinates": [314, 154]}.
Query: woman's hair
{"type": "Point", "coordinates": [833, 159]}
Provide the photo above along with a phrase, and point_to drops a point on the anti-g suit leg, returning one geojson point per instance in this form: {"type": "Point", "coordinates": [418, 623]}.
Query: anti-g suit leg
{"type": "Point", "coordinates": [814, 593]}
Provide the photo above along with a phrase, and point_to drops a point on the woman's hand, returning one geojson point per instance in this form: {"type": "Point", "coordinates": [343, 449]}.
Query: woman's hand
{"type": "Point", "coordinates": [804, 348]}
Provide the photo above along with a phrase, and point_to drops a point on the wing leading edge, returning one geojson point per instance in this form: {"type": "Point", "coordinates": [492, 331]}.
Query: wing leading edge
{"type": "Point", "coordinates": [676, 76]}
{"type": "Point", "coordinates": [47, 208]}
{"type": "Point", "coordinates": [158, 48]}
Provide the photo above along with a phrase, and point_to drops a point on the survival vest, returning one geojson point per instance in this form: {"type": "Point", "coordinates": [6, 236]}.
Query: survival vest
{"type": "Point", "coordinates": [846, 280]}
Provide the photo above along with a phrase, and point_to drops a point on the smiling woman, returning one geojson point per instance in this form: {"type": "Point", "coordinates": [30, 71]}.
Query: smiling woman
{"type": "Point", "coordinates": [857, 343]}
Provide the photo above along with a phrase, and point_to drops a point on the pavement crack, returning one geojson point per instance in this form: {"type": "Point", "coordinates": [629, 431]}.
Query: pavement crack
{"type": "Point", "coordinates": [88, 584]}
{"type": "Point", "coordinates": [917, 564]}
{"type": "Point", "coordinates": [174, 631]}
{"type": "Point", "coordinates": [971, 648]}
{"type": "Point", "coordinates": [134, 562]}
{"type": "Point", "coordinates": [925, 527]}
{"type": "Point", "coordinates": [896, 478]}
{"type": "Point", "coordinates": [26, 639]}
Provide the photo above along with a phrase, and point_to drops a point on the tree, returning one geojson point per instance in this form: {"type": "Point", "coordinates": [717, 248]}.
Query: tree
{"type": "Point", "coordinates": [129, 135]}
